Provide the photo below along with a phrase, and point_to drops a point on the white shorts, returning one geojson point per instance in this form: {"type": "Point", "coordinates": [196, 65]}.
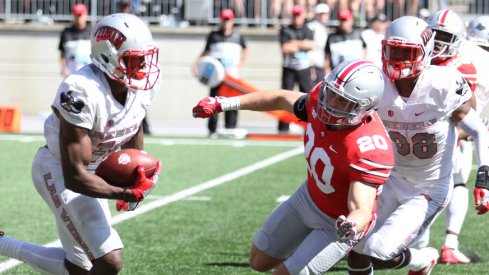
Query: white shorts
{"type": "Point", "coordinates": [462, 162]}
{"type": "Point", "coordinates": [299, 232]}
{"type": "Point", "coordinates": [83, 222]}
{"type": "Point", "coordinates": [404, 212]}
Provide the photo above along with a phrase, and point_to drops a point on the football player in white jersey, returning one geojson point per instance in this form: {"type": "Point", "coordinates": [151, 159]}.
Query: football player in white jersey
{"type": "Point", "coordinates": [97, 110]}
{"type": "Point", "coordinates": [420, 108]}
{"type": "Point", "coordinates": [449, 36]}
{"type": "Point", "coordinates": [349, 157]}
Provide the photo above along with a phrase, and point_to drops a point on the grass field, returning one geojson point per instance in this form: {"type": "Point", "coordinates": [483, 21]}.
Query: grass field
{"type": "Point", "coordinates": [211, 198]}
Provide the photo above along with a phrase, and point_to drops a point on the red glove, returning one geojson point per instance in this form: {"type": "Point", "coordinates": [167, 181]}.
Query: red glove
{"type": "Point", "coordinates": [141, 189]}
{"type": "Point", "coordinates": [481, 192]}
{"type": "Point", "coordinates": [481, 196]}
{"type": "Point", "coordinates": [207, 107]}
{"type": "Point", "coordinates": [346, 230]}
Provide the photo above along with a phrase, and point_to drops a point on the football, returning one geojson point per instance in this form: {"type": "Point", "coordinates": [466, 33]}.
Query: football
{"type": "Point", "coordinates": [120, 168]}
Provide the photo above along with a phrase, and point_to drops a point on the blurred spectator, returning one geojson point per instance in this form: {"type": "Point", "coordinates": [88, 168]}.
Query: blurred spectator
{"type": "Point", "coordinates": [373, 38]}
{"type": "Point", "coordinates": [424, 14]}
{"type": "Point", "coordinates": [74, 43]}
{"type": "Point", "coordinates": [318, 26]}
{"type": "Point", "coordinates": [280, 9]}
{"type": "Point", "coordinates": [309, 6]}
{"type": "Point", "coordinates": [345, 43]}
{"type": "Point", "coordinates": [124, 6]}
{"type": "Point", "coordinates": [229, 47]}
{"type": "Point", "coordinates": [296, 41]}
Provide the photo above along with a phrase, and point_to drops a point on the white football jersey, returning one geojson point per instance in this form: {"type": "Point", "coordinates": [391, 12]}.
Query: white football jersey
{"type": "Point", "coordinates": [420, 127]}
{"type": "Point", "coordinates": [480, 59]}
{"type": "Point", "coordinates": [84, 99]}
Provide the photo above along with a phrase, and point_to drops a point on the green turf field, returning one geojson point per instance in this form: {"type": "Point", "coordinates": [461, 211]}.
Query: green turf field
{"type": "Point", "coordinates": [211, 198]}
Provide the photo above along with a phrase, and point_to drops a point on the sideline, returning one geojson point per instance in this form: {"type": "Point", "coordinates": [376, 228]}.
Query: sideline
{"type": "Point", "coordinates": [6, 265]}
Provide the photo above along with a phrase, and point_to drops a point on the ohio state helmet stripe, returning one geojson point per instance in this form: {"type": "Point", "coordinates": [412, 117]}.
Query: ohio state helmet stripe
{"type": "Point", "coordinates": [443, 17]}
{"type": "Point", "coordinates": [349, 70]}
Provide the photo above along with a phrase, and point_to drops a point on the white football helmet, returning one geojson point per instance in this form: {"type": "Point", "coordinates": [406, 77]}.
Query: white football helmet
{"type": "Point", "coordinates": [123, 48]}
{"type": "Point", "coordinates": [350, 93]}
{"type": "Point", "coordinates": [478, 31]}
{"type": "Point", "coordinates": [449, 32]}
{"type": "Point", "coordinates": [407, 48]}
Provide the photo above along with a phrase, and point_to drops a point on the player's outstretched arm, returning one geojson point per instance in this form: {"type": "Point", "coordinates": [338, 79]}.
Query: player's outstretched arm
{"type": "Point", "coordinates": [257, 101]}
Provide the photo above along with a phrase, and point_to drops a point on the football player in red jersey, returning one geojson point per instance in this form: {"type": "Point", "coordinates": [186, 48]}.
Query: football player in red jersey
{"type": "Point", "coordinates": [449, 35]}
{"type": "Point", "coordinates": [349, 157]}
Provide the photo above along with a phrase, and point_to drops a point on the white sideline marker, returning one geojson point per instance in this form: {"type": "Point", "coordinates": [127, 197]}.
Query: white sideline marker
{"type": "Point", "coordinates": [6, 265]}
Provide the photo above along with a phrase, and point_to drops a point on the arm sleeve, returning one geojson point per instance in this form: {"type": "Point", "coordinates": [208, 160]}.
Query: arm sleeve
{"type": "Point", "coordinates": [300, 109]}
{"type": "Point", "coordinates": [473, 125]}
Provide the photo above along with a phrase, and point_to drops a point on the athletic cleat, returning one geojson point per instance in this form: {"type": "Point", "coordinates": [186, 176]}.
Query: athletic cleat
{"type": "Point", "coordinates": [453, 256]}
{"type": "Point", "coordinates": [1, 233]}
{"type": "Point", "coordinates": [432, 255]}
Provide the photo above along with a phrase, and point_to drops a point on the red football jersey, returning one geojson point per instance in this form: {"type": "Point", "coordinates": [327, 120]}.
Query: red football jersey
{"type": "Point", "coordinates": [465, 67]}
{"type": "Point", "coordinates": [336, 158]}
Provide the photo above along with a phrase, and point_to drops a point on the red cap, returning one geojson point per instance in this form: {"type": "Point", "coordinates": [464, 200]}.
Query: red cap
{"type": "Point", "coordinates": [78, 9]}
{"type": "Point", "coordinates": [345, 15]}
{"type": "Point", "coordinates": [227, 14]}
{"type": "Point", "coordinates": [298, 9]}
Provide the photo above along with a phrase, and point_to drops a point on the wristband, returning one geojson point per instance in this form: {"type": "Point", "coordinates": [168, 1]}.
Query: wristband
{"type": "Point", "coordinates": [229, 103]}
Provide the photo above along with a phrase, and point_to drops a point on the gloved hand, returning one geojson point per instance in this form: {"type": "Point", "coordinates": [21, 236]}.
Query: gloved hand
{"type": "Point", "coordinates": [346, 230]}
{"type": "Point", "coordinates": [142, 187]}
{"type": "Point", "coordinates": [481, 192]}
{"type": "Point", "coordinates": [481, 196]}
{"type": "Point", "coordinates": [207, 107]}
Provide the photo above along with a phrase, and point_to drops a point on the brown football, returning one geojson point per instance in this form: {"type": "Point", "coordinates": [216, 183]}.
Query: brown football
{"type": "Point", "coordinates": [120, 168]}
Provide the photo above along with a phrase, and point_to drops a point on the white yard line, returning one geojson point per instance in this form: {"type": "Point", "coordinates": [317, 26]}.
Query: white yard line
{"type": "Point", "coordinates": [148, 206]}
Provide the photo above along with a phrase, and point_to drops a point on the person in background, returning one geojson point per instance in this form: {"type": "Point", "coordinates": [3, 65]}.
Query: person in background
{"type": "Point", "coordinates": [74, 43]}
{"type": "Point", "coordinates": [346, 43]}
{"type": "Point", "coordinates": [124, 6]}
{"type": "Point", "coordinates": [318, 26]}
{"type": "Point", "coordinates": [296, 41]}
{"type": "Point", "coordinates": [230, 48]}
{"type": "Point", "coordinates": [373, 37]}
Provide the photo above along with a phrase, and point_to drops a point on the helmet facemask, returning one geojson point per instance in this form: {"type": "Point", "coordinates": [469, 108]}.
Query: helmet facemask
{"type": "Point", "coordinates": [446, 45]}
{"type": "Point", "coordinates": [138, 69]}
{"type": "Point", "coordinates": [402, 59]}
{"type": "Point", "coordinates": [335, 107]}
